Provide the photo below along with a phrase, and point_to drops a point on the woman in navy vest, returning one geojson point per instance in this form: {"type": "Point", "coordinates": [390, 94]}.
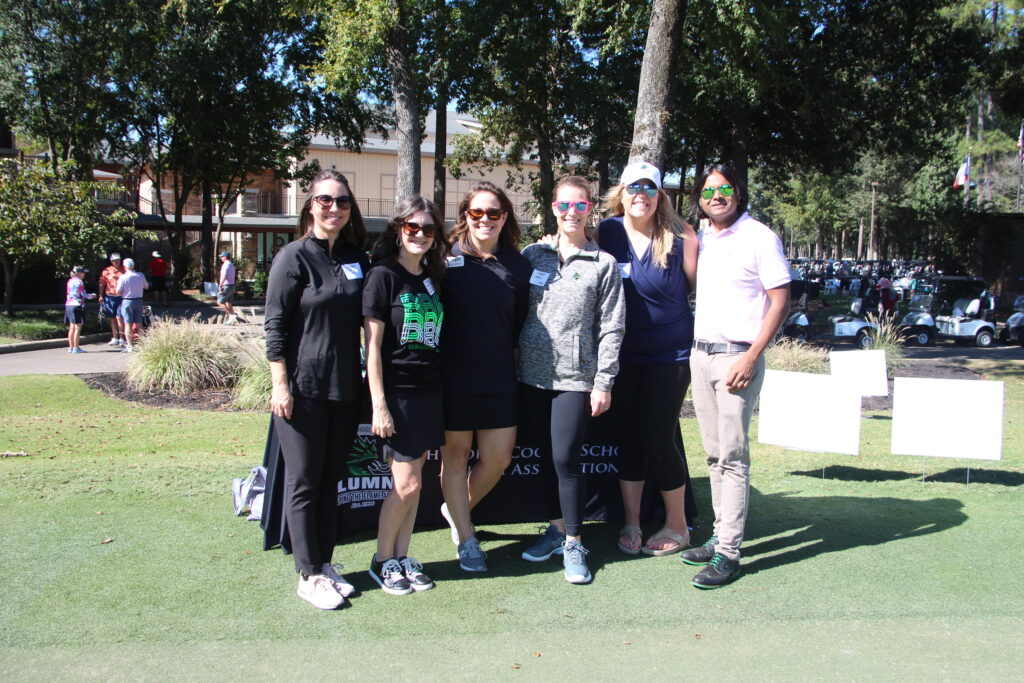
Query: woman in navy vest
{"type": "Point", "coordinates": [657, 256]}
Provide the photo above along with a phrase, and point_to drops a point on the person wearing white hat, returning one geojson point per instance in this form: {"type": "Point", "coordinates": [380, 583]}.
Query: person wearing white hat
{"type": "Point", "coordinates": [657, 255]}
{"type": "Point", "coordinates": [130, 287]}
{"type": "Point", "coordinates": [226, 284]}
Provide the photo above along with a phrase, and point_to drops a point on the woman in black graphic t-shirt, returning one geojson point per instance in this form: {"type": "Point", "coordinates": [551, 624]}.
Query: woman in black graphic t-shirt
{"type": "Point", "coordinates": [402, 319]}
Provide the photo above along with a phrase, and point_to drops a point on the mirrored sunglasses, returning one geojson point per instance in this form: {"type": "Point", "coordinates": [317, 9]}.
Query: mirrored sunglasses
{"type": "Point", "coordinates": [724, 190]}
{"type": "Point", "coordinates": [563, 207]}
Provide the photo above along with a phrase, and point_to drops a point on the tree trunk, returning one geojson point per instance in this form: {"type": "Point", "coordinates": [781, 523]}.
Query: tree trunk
{"type": "Point", "coordinates": [440, 146]}
{"type": "Point", "coordinates": [657, 75]}
{"type": "Point", "coordinates": [545, 154]}
{"type": "Point", "coordinates": [407, 110]}
{"type": "Point", "coordinates": [206, 234]}
{"type": "Point", "coordinates": [10, 272]}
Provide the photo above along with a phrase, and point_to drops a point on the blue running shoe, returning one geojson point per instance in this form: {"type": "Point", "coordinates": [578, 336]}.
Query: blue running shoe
{"type": "Point", "coordinates": [549, 543]}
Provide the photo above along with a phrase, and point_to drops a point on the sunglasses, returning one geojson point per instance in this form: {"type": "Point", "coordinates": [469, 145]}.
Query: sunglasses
{"type": "Point", "coordinates": [411, 229]}
{"type": "Point", "coordinates": [477, 214]}
{"type": "Point", "coordinates": [646, 188]}
{"type": "Point", "coordinates": [325, 200]}
{"type": "Point", "coordinates": [724, 190]}
{"type": "Point", "coordinates": [563, 207]}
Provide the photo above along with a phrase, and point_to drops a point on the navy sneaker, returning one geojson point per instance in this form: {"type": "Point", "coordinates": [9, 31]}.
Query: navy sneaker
{"type": "Point", "coordinates": [549, 543]}
{"type": "Point", "coordinates": [471, 557]}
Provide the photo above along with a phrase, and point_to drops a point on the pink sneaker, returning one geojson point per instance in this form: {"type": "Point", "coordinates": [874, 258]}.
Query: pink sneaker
{"type": "Point", "coordinates": [318, 591]}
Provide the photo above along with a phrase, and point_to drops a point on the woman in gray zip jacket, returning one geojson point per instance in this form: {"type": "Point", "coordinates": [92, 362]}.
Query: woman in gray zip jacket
{"type": "Point", "coordinates": [569, 355]}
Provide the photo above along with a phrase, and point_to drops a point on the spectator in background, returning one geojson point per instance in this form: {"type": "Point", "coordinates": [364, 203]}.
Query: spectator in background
{"type": "Point", "coordinates": [158, 278]}
{"type": "Point", "coordinates": [226, 284]}
{"type": "Point", "coordinates": [110, 301]}
{"type": "Point", "coordinates": [130, 288]}
{"type": "Point", "coordinates": [74, 306]}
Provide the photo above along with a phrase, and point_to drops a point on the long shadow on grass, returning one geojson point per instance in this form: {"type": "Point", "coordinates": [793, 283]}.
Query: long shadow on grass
{"type": "Point", "coordinates": [957, 475]}
{"type": "Point", "coordinates": [831, 524]}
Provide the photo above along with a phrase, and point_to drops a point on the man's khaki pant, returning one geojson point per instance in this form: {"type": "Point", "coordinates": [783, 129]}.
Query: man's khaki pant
{"type": "Point", "coordinates": [724, 418]}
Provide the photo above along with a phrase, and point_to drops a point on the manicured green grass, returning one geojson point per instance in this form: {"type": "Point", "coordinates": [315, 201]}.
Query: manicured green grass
{"type": "Point", "coordinates": [49, 324]}
{"type": "Point", "coordinates": [869, 572]}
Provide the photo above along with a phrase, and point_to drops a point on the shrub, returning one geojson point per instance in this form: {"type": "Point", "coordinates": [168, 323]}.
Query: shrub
{"type": "Point", "coordinates": [796, 356]}
{"type": "Point", "coordinates": [252, 391]}
{"type": "Point", "coordinates": [183, 356]}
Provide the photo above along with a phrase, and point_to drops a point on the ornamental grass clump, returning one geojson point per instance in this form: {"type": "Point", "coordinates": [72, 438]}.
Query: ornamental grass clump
{"type": "Point", "coordinates": [792, 355]}
{"type": "Point", "coordinates": [183, 356]}
{"type": "Point", "coordinates": [252, 391]}
{"type": "Point", "coordinates": [889, 338]}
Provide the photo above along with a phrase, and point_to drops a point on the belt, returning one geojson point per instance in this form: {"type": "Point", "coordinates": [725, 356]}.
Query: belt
{"type": "Point", "coordinates": [719, 347]}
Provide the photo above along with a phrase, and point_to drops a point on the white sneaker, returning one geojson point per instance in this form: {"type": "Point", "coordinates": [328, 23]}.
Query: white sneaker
{"type": "Point", "coordinates": [114, 342]}
{"type": "Point", "coordinates": [120, 342]}
{"type": "Point", "coordinates": [318, 591]}
{"type": "Point", "coordinates": [451, 522]}
{"type": "Point", "coordinates": [341, 584]}
{"type": "Point", "coordinates": [229, 321]}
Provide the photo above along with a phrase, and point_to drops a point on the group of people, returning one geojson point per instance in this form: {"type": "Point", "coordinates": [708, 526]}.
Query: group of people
{"type": "Point", "coordinates": [120, 292]}
{"type": "Point", "coordinates": [466, 338]}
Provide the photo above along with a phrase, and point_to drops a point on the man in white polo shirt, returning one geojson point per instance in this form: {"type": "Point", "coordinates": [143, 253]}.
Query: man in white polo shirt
{"type": "Point", "coordinates": [742, 298]}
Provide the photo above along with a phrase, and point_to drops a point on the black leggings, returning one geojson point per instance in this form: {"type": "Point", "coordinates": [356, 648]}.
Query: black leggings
{"type": "Point", "coordinates": [645, 407]}
{"type": "Point", "coordinates": [559, 419]}
{"type": "Point", "coordinates": [315, 444]}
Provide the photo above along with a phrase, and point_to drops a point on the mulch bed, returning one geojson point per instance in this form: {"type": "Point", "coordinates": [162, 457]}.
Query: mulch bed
{"type": "Point", "coordinates": [114, 384]}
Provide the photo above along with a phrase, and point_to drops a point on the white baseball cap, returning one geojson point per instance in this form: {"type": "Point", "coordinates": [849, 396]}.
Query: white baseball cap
{"type": "Point", "coordinates": [641, 170]}
{"type": "Point", "coordinates": [115, 256]}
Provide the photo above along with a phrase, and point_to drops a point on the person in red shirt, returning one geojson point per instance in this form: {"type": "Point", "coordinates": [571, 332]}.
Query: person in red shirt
{"type": "Point", "coordinates": [110, 301]}
{"type": "Point", "coordinates": [158, 278]}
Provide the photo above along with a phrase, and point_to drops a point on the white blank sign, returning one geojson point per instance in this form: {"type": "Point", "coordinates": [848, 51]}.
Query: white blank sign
{"type": "Point", "coordinates": [809, 412]}
{"type": "Point", "coordinates": [864, 369]}
{"type": "Point", "coordinates": [947, 418]}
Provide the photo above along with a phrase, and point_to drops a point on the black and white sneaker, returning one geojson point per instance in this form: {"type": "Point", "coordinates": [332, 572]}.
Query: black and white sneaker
{"type": "Point", "coordinates": [414, 576]}
{"type": "Point", "coordinates": [388, 574]}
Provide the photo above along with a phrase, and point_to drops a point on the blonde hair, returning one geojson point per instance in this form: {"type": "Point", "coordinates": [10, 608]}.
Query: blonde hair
{"type": "Point", "coordinates": [667, 223]}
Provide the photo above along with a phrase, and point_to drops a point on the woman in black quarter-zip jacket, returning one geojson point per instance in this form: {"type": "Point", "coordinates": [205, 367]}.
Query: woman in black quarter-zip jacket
{"type": "Point", "coordinates": [313, 318]}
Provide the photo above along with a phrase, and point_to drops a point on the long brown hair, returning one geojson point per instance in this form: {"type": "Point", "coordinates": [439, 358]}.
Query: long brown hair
{"type": "Point", "coordinates": [510, 231]}
{"type": "Point", "coordinates": [387, 244]}
{"type": "Point", "coordinates": [667, 223]}
{"type": "Point", "coordinates": [353, 232]}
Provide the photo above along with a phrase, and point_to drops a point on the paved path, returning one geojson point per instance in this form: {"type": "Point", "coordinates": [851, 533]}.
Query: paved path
{"type": "Point", "coordinates": [38, 359]}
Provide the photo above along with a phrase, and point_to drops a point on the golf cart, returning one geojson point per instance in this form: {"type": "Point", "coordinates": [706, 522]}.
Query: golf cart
{"type": "Point", "coordinates": [854, 326]}
{"type": "Point", "coordinates": [1013, 330]}
{"type": "Point", "coordinates": [918, 325]}
{"type": "Point", "coordinates": [970, 320]}
{"type": "Point", "coordinates": [797, 324]}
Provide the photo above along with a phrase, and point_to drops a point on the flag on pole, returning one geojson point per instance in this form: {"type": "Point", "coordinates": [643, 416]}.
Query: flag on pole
{"type": "Point", "coordinates": [1020, 143]}
{"type": "Point", "coordinates": [963, 176]}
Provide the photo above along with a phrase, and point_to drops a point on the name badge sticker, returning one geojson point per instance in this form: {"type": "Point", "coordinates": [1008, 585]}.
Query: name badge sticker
{"type": "Point", "coordinates": [429, 286]}
{"type": "Point", "coordinates": [624, 270]}
{"type": "Point", "coordinates": [353, 271]}
{"type": "Point", "coordinates": [539, 278]}
{"type": "Point", "coordinates": [456, 261]}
